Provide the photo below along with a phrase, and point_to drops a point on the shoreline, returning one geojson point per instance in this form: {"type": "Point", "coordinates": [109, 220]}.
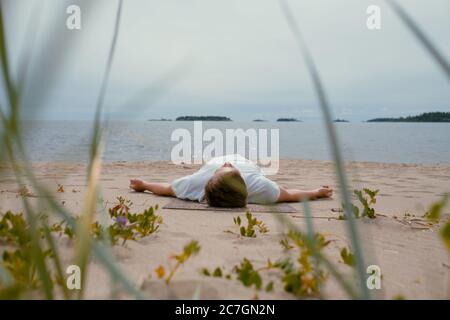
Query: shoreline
{"type": "Point", "coordinates": [169, 162]}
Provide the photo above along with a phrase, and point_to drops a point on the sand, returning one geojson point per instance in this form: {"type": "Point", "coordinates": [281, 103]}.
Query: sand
{"type": "Point", "coordinates": [412, 258]}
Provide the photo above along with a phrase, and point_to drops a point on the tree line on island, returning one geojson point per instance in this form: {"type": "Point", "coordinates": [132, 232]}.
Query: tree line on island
{"type": "Point", "coordinates": [424, 117]}
{"type": "Point", "coordinates": [203, 118]}
{"type": "Point", "coordinates": [220, 118]}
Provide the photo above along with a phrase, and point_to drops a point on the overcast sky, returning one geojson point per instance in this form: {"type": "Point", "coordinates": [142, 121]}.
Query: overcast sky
{"type": "Point", "coordinates": [230, 57]}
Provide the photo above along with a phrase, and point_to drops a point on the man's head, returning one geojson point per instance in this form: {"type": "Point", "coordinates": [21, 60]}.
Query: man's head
{"type": "Point", "coordinates": [226, 188]}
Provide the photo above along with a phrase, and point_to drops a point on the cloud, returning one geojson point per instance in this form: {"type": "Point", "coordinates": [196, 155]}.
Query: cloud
{"type": "Point", "coordinates": [245, 60]}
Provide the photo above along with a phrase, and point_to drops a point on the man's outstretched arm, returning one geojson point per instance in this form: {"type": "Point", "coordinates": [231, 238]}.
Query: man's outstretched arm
{"type": "Point", "coordinates": [158, 188]}
{"type": "Point", "coordinates": [295, 195]}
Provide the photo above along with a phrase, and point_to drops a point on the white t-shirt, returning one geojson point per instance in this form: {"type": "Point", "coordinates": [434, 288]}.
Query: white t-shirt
{"type": "Point", "coordinates": [260, 189]}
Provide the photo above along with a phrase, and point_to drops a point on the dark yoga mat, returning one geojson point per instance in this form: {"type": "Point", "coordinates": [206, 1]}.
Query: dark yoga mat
{"type": "Point", "coordinates": [179, 204]}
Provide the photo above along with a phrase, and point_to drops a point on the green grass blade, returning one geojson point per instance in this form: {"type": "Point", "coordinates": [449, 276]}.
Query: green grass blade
{"type": "Point", "coordinates": [334, 144]}
{"type": "Point", "coordinates": [104, 84]}
{"type": "Point", "coordinates": [37, 253]}
{"type": "Point", "coordinates": [30, 40]}
{"type": "Point", "coordinates": [11, 139]}
{"type": "Point", "coordinates": [421, 36]}
{"type": "Point", "coordinates": [155, 90]}
{"type": "Point", "coordinates": [4, 61]}
{"type": "Point", "coordinates": [83, 232]}
{"type": "Point", "coordinates": [310, 236]}
{"type": "Point", "coordinates": [5, 276]}
{"type": "Point", "coordinates": [346, 286]}
{"type": "Point", "coordinates": [100, 251]}
{"type": "Point", "coordinates": [56, 259]}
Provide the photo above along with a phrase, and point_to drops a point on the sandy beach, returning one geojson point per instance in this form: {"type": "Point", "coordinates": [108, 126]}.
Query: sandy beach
{"type": "Point", "coordinates": [412, 257]}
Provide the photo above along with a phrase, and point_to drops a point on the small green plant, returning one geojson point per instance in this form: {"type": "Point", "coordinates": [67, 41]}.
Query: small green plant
{"type": "Point", "coordinates": [24, 192]}
{"type": "Point", "coordinates": [253, 225]}
{"type": "Point", "coordinates": [132, 226]}
{"type": "Point", "coordinates": [366, 197]}
{"type": "Point", "coordinates": [445, 234]}
{"type": "Point", "coordinates": [62, 228]}
{"type": "Point", "coordinates": [269, 287]}
{"type": "Point", "coordinates": [434, 214]}
{"type": "Point", "coordinates": [189, 250]}
{"type": "Point", "coordinates": [286, 244]}
{"type": "Point", "coordinates": [347, 257]}
{"type": "Point", "coordinates": [14, 229]}
{"type": "Point", "coordinates": [126, 225]}
{"type": "Point", "coordinates": [217, 273]}
{"type": "Point", "coordinates": [121, 208]}
{"type": "Point", "coordinates": [247, 275]}
{"type": "Point", "coordinates": [18, 258]}
{"type": "Point", "coordinates": [302, 277]}
{"type": "Point", "coordinates": [372, 194]}
{"type": "Point", "coordinates": [296, 239]}
{"type": "Point", "coordinates": [20, 264]}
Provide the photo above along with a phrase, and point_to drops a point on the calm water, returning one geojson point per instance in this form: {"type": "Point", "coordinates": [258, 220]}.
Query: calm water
{"type": "Point", "coordinates": [143, 141]}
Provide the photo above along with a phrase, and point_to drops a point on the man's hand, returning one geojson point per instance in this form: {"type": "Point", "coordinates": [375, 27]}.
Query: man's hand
{"type": "Point", "coordinates": [324, 192]}
{"type": "Point", "coordinates": [158, 188]}
{"type": "Point", "coordinates": [137, 185]}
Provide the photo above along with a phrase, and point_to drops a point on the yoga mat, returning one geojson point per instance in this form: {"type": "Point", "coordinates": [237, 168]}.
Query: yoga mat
{"type": "Point", "coordinates": [179, 204]}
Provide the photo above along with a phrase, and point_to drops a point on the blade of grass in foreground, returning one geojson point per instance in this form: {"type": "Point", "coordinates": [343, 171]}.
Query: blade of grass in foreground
{"type": "Point", "coordinates": [32, 28]}
{"type": "Point", "coordinates": [346, 286]}
{"type": "Point", "coordinates": [84, 237]}
{"type": "Point", "coordinates": [37, 253]}
{"type": "Point", "coordinates": [5, 277]}
{"type": "Point", "coordinates": [56, 260]}
{"type": "Point", "coordinates": [11, 92]}
{"type": "Point", "coordinates": [333, 140]}
{"type": "Point", "coordinates": [49, 54]}
{"type": "Point", "coordinates": [420, 35]}
{"type": "Point", "coordinates": [311, 237]}
{"type": "Point", "coordinates": [104, 85]}
{"type": "Point", "coordinates": [83, 231]}
{"type": "Point", "coordinates": [11, 138]}
{"type": "Point", "coordinates": [155, 90]}
{"type": "Point", "coordinates": [99, 250]}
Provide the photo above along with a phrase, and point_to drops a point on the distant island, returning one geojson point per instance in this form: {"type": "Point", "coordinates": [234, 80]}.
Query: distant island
{"type": "Point", "coordinates": [340, 120]}
{"type": "Point", "coordinates": [162, 119]}
{"type": "Point", "coordinates": [424, 117]}
{"type": "Point", "coordinates": [259, 120]}
{"type": "Point", "coordinates": [203, 118]}
{"type": "Point", "coordinates": [288, 120]}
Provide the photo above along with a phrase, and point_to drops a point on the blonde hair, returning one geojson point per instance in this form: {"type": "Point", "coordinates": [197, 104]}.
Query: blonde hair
{"type": "Point", "coordinates": [226, 190]}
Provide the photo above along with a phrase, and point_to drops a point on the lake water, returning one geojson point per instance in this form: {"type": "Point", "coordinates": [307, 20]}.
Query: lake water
{"type": "Point", "coordinates": [427, 143]}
